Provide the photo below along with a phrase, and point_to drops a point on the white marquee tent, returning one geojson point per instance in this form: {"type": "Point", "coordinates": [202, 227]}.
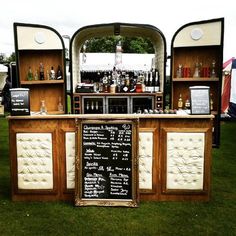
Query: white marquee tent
{"type": "Point", "coordinates": [106, 61]}
{"type": "Point", "coordinates": [3, 75]}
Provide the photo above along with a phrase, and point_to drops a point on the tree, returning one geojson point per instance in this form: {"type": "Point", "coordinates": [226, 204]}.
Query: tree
{"type": "Point", "coordinates": [12, 57]}
{"type": "Point", "coordinates": [7, 60]}
{"type": "Point", "coordinates": [129, 44]}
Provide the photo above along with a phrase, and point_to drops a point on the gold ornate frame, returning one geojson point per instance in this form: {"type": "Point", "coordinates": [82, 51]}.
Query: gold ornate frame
{"type": "Point", "coordinates": [134, 200]}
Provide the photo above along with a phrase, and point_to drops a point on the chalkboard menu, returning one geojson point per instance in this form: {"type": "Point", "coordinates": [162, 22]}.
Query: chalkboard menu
{"type": "Point", "coordinates": [20, 102]}
{"type": "Point", "coordinates": [200, 100]}
{"type": "Point", "coordinates": [107, 173]}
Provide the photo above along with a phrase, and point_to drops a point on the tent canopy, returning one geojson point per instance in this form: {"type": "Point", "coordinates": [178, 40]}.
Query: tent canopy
{"type": "Point", "coordinates": [105, 62]}
{"type": "Point", "coordinates": [228, 98]}
{"type": "Point", "coordinates": [3, 69]}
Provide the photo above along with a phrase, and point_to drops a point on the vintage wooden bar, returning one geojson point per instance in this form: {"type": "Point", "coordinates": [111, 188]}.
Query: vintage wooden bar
{"type": "Point", "coordinates": [174, 154]}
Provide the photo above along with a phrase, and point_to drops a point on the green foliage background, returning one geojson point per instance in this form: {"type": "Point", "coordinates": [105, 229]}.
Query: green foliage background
{"type": "Point", "coordinates": [129, 44]}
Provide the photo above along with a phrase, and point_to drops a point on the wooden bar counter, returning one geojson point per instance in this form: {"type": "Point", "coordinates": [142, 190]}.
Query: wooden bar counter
{"type": "Point", "coordinates": [174, 156]}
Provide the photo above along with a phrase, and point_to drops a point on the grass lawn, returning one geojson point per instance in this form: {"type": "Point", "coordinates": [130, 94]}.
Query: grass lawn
{"type": "Point", "coordinates": [217, 217]}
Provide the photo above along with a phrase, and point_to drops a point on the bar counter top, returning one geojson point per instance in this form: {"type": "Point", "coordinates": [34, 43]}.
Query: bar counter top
{"type": "Point", "coordinates": [113, 116]}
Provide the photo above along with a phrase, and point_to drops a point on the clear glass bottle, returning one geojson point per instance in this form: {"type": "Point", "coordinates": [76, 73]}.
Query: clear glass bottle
{"type": "Point", "coordinates": [157, 82]}
{"type": "Point", "coordinates": [30, 74]}
{"type": "Point", "coordinates": [43, 109]}
{"type": "Point", "coordinates": [187, 104]}
{"type": "Point", "coordinates": [213, 71]}
{"type": "Point", "coordinates": [52, 73]}
{"type": "Point", "coordinates": [179, 73]}
{"type": "Point", "coordinates": [36, 75]}
{"type": "Point", "coordinates": [197, 71]}
{"type": "Point", "coordinates": [60, 106]}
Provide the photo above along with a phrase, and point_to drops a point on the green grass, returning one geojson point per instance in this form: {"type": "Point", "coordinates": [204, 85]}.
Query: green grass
{"type": "Point", "coordinates": [217, 217]}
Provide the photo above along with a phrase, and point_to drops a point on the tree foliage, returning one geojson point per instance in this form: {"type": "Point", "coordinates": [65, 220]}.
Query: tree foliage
{"type": "Point", "coordinates": [6, 60]}
{"type": "Point", "coordinates": [129, 44]}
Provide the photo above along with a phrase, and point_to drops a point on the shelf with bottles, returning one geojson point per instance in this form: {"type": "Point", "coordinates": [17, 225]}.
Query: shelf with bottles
{"type": "Point", "coordinates": [196, 72]}
{"type": "Point", "coordinates": [117, 81]}
{"type": "Point", "coordinates": [32, 63]}
{"type": "Point", "coordinates": [93, 105]}
{"type": "Point", "coordinates": [53, 96]}
{"type": "Point", "coordinates": [183, 102]}
{"type": "Point", "coordinates": [39, 76]}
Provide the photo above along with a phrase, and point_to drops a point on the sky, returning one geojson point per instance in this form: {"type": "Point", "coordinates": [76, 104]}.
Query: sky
{"type": "Point", "coordinates": [67, 17]}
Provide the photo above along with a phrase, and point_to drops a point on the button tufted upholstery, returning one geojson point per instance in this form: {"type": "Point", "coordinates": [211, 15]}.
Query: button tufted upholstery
{"type": "Point", "coordinates": [70, 160]}
{"type": "Point", "coordinates": [185, 161]}
{"type": "Point", "coordinates": [34, 160]}
{"type": "Point", "coordinates": [145, 160]}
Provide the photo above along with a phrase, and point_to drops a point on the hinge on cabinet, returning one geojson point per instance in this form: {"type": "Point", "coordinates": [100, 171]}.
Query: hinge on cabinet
{"type": "Point", "coordinates": [116, 29]}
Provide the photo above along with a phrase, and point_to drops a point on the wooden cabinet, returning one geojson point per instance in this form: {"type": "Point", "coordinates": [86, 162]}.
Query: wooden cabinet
{"type": "Point", "coordinates": [197, 52]}
{"type": "Point", "coordinates": [174, 155]}
{"type": "Point", "coordinates": [35, 45]}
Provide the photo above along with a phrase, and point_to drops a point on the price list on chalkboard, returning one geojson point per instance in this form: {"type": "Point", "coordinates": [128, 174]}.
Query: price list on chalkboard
{"type": "Point", "coordinates": [200, 100]}
{"type": "Point", "coordinates": [20, 104]}
{"type": "Point", "coordinates": [107, 161]}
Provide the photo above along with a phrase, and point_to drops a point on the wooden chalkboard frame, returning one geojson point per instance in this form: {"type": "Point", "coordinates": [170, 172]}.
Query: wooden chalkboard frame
{"type": "Point", "coordinates": [200, 100]}
{"type": "Point", "coordinates": [82, 201]}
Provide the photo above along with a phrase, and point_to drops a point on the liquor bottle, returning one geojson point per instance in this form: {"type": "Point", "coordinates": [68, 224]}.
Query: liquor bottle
{"type": "Point", "coordinates": [87, 105]}
{"type": "Point", "coordinates": [197, 70]}
{"type": "Point", "coordinates": [150, 83]}
{"type": "Point", "coordinates": [153, 81]}
{"type": "Point", "coordinates": [59, 73]}
{"type": "Point", "coordinates": [48, 75]}
{"type": "Point", "coordinates": [60, 106]}
{"type": "Point", "coordinates": [30, 74]}
{"type": "Point", "coordinates": [36, 75]}
{"type": "Point", "coordinates": [52, 73]}
{"type": "Point", "coordinates": [132, 85]}
{"type": "Point", "coordinates": [157, 82]}
{"type": "Point", "coordinates": [41, 71]}
{"type": "Point", "coordinates": [105, 83]}
{"type": "Point", "coordinates": [187, 104]}
{"type": "Point", "coordinates": [211, 102]}
{"type": "Point", "coordinates": [126, 84]}
{"type": "Point", "coordinates": [180, 102]}
{"type": "Point", "coordinates": [96, 105]}
{"type": "Point", "coordinates": [213, 72]}
{"type": "Point", "coordinates": [92, 106]}
{"type": "Point", "coordinates": [179, 73]}
{"type": "Point", "coordinates": [146, 81]}
{"type": "Point", "coordinates": [118, 87]}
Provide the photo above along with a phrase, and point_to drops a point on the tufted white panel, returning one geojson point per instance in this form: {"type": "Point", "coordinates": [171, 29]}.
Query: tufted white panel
{"type": "Point", "coordinates": [145, 159]}
{"type": "Point", "coordinates": [34, 160]}
{"type": "Point", "coordinates": [185, 161]}
{"type": "Point", "coordinates": [70, 160]}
